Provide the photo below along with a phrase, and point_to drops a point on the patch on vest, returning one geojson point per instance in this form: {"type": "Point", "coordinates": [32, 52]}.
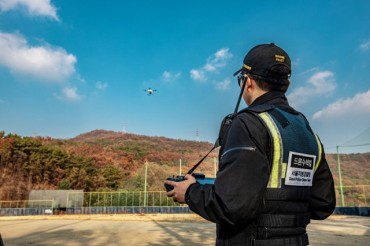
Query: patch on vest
{"type": "Point", "coordinates": [300, 169]}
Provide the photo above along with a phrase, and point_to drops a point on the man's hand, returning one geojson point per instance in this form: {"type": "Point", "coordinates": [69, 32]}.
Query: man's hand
{"type": "Point", "coordinates": [179, 188]}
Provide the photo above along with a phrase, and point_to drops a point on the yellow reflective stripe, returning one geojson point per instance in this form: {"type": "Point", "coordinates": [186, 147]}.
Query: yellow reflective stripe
{"type": "Point", "coordinates": [283, 170]}
{"type": "Point", "coordinates": [318, 160]}
{"type": "Point", "coordinates": [275, 176]}
{"type": "Point", "coordinates": [247, 67]}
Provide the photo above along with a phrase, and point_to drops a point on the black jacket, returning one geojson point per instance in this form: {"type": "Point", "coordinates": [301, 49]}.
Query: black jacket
{"type": "Point", "coordinates": [236, 199]}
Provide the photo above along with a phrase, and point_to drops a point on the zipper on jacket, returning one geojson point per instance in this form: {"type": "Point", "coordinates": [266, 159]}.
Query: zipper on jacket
{"type": "Point", "coordinates": [238, 148]}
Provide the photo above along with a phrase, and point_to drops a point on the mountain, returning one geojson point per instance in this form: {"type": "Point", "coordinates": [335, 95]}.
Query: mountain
{"type": "Point", "coordinates": [97, 160]}
{"type": "Point", "coordinates": [103, 160]}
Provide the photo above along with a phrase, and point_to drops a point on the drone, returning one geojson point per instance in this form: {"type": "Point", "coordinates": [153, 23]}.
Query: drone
{"type": "Point", "coordinates": [150, 91]}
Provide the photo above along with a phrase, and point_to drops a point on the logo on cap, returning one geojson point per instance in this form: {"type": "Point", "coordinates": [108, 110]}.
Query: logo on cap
{"type": "Point", "coordinates": [279, 58]}
{"type": "Point", "coordinates": [247, 67]}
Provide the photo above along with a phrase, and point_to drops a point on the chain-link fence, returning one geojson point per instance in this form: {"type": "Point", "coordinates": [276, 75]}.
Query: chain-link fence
{"type": "Point", "coordinates": [99, 199]}
{"type": "Point", "coordinates": [353, 196]}
{"type": "Point", "coordinates": [351, 174]}
{"type": "Point", "coordinates": [125, 198]}
{"type": "Point", "coordinates": [27, 204]}
{"type": "Point", "coordinates": [350, 166]}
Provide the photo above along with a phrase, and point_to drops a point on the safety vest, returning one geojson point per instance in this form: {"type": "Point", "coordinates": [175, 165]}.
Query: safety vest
{"type": "Point", "coordinates": [295, 143]}
{"type": "Point", "coordinates": [296, 154]}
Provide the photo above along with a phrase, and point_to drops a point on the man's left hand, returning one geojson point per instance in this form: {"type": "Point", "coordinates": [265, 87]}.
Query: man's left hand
{"type": "Point", "coordinates": [179, 188]}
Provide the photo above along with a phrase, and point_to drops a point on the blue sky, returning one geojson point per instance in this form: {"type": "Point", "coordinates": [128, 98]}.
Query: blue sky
{"type": "Point", "coordinates": [68, 67]}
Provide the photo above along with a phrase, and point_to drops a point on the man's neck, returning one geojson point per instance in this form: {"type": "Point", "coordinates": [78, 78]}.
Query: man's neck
{"type": "Point", "coordinates": [257, 94]}
{"type": "Point", "coordinates": [271, 95]}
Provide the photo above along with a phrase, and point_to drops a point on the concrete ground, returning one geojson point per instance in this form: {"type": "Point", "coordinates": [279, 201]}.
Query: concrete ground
{"type": "Point", "coordinates": [155, 230]}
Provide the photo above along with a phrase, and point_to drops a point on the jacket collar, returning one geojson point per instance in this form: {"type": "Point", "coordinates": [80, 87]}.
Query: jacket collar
{"type": "Point", "coordinates": [276, 98]}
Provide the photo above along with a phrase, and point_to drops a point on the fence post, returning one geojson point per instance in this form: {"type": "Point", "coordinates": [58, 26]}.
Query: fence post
{"type": "Point", "coordinates": [363, 188]}
{"type": "Point", "coordinates": [160, 198]}
{"type": "Point", "coordinates": [146, 174]}
{"type": "Point", "coordinates": [89, 199]}
{"type": "Point", "coordinates": [126, 200]}
{"type": "Point", "coordinates": [180, 163]}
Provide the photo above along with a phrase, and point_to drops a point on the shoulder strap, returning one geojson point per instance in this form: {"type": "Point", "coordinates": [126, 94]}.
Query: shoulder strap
{"type": "Point", "coordinates": [201, 160]}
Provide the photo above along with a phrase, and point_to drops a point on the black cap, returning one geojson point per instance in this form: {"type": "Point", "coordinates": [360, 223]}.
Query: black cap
{"type": "Point", "coordinates": [268, 61]}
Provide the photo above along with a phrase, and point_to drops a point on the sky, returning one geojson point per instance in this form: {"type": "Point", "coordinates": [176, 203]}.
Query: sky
{"type": "Point", "coordinates": [69, 67]}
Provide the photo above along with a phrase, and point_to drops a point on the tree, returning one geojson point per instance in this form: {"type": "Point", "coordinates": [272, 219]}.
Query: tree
{"type": "Point", "coordinates": [113, 176]}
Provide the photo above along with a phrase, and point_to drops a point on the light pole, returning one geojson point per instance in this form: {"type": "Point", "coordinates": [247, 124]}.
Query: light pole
{"type": "Point", "coordinates": [340, 178]}
{"type": "Point", "coordinates": [180, 166]}
{"type": "Point", "coordinates": [145, 177]}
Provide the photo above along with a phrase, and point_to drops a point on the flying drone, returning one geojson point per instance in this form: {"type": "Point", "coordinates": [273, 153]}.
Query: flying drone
{"type": "Point", "coordinates": [150, 91]}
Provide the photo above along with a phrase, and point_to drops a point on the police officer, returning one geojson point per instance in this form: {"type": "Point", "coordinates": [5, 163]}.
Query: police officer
{"type": "Point", "coordinates": [273, 177]}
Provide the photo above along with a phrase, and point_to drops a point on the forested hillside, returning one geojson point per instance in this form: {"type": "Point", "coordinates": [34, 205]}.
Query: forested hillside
{"type": "Point", "coordinates": [105, 160]}
{"type": "Point", "coordinates": [95, 161]}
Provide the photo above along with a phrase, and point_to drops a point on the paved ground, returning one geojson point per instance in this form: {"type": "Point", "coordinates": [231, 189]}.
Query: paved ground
{"type": "Point", "coordinates": [155, 230]}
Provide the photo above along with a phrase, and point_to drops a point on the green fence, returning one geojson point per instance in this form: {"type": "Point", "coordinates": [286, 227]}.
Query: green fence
{"type": "Point", "coordinates": [100, 199]}
{"type": "Point", "coordinates": [125, 198]}
{"type": "Point", "coordinates": [353, 196]}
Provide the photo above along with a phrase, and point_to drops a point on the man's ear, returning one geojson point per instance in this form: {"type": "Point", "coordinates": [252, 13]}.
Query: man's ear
{"type": "Point", "coordinates": [250, 83]}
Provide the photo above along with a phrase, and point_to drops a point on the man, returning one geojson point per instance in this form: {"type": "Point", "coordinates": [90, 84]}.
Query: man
{"type": "Point", "coordinates": [273, 177]}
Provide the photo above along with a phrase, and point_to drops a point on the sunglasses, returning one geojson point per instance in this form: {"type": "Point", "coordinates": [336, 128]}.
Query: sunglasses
{"type": "Point", "coordinates": [241, 79]}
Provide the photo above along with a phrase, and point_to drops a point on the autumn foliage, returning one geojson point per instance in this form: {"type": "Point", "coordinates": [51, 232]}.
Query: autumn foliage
{"type": "Point", "coordinates": [98, 160]}
{"type": "Point", "coordinates": [107, 161]}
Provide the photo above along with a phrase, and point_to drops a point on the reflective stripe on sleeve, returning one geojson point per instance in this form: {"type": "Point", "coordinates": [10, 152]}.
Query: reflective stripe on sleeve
{"type": "Point", "coordinates": [283, 170]}
{"type": "Point", "coordinates": [318, 160]}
